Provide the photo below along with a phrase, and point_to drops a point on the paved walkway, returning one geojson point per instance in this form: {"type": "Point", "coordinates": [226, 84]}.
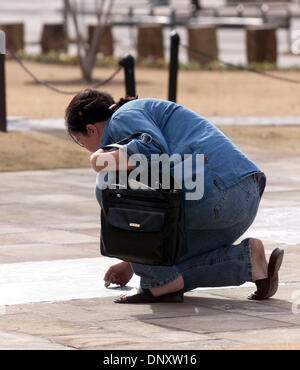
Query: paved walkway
{"type": "Point", "coordinates": [51, 288]}
{"type": "Point", "coordinates": [19, 123]}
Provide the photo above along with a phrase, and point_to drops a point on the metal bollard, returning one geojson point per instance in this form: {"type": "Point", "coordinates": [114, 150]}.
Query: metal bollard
{"type": "Point", "coordinates": [173, 66]}
{"type": "Point", "coordinates": [128, 64]}
{"type": "Point", "coordinates": [2, 83]}
{"type": "Point", "coordinates": [172, 22]}
{"type": "Point", "coordinates": [264, 9]}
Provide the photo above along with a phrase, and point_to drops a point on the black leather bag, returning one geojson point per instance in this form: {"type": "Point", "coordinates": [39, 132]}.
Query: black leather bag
{"type": "Point", "coordinates": [142, 226]}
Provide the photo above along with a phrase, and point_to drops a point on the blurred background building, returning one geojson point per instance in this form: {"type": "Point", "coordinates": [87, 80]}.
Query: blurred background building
{"type": "Point", "coordinates": [229, 17]}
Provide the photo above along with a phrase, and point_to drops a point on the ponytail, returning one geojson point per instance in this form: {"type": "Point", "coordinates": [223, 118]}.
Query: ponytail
{"type": "Point", "coordinates": [123, 101]}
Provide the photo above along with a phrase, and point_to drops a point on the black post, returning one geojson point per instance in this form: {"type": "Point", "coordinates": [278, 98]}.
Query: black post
{"type": "Point", "coordinates": [2, 84]}
{"type": "Point", "coordinates": [196, 4]}
{"type": "Point", "coordinates": [173, 66]}
{"type": "Point", "coordinates": [128, 64]}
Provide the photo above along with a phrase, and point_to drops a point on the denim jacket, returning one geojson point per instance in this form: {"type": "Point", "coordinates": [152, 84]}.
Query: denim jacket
{"type": "Point", "coordinates": [180, 131]}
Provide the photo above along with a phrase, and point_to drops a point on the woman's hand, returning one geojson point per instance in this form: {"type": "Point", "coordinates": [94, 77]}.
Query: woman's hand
{"type": "Point", "coordinates": [94, 157]}
{"type": "Point", "coordinates": [112, 160]}
{"type": "Point", "coordinates": [119, 274]}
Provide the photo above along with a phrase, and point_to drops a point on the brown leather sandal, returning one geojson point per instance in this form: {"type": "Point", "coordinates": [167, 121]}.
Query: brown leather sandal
{"type": "Point", "coordinates": [266, 288]}
{"type": "Point", "coordinates": [145, 296]}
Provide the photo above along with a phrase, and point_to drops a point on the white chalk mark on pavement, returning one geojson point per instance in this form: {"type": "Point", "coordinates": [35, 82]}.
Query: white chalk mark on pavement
{"type": "Point", "coordinates": [277, 224]}
{"type": "Point", "coordinates": [60, 280]}
{"type": "Point", "coordinates": [57, 280]}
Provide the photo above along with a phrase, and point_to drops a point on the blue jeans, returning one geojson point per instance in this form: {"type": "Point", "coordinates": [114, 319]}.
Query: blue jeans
{"type": "Point", "coordinates": [212, 259]}
{"type": "Point", "coordinates": [212, 226]}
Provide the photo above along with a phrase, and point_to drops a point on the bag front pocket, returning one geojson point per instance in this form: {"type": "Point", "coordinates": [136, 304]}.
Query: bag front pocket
{"type": "Point", "coordinates": [136, 220]}
{"type": "Point", "coordinates": [133, 235]}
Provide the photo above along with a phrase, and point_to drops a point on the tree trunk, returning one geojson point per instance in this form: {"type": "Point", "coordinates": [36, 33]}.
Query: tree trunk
{"type": "Point", "coordinates": [87, 53]}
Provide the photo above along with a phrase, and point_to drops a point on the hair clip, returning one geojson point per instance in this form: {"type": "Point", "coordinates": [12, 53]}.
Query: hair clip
{"type": "Point", "coordinates": [112, 107]}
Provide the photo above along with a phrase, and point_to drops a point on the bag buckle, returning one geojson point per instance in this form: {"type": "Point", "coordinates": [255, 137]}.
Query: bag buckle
{"type": "Point", "coordinates": [131, 224]}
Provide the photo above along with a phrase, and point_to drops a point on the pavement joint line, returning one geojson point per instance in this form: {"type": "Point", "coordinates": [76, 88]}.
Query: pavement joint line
{"type": "Point", "coordinates": [16, 332]}
{"type": "Point", "coordinates": [253, 314]}
{"type": "Point", "coordinates": [288, 325]}
{"type": "Point", "coordinates": [242, 330]}
{"type": "Point", "coordinates": [19, 123]}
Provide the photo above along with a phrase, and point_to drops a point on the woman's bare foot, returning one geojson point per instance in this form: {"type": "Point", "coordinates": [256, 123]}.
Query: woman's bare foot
{"type": "Point", "coordinates": [259, 261]}
{"type": "Point", "coordinates": [171, 287]}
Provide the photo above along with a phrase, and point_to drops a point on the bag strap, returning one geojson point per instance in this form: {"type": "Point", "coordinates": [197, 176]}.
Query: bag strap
{"type": "Point", "coordinates": [119, 145]}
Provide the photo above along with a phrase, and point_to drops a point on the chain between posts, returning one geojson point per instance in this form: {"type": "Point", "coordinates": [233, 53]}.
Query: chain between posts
{"type": "Point", "coordinates": [52, 87]}
{"type": "Point", "coordinates": [3, 121]}
{"type": "Point", "coordinates": [240, 67]}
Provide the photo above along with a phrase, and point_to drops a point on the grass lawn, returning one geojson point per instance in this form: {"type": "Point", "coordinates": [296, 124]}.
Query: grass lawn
{"type": "Point", "coordinates": [210, 93]}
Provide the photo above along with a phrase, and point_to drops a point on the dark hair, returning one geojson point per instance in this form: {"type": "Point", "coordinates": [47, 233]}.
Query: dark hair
{"type": "Point", "coordinates": [90, 106]}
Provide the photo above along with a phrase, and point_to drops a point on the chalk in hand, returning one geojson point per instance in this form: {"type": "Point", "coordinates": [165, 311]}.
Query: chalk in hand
{"type": "Point", "coordinates": [107, 282]}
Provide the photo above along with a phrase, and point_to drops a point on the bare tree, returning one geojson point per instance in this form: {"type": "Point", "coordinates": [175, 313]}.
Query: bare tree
{"type": "Point", "coordinates": [87, 51]}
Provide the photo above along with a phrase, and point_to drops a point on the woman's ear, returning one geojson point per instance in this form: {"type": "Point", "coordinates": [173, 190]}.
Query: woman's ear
{"type": "Point", "coordinates": [91, 129]}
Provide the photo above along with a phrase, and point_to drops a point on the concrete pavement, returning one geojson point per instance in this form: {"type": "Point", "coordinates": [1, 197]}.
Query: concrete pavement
{"type": "Point", "coordinates": [58, 124]}
{"type": "Point", "coordinates": [51, 288]}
